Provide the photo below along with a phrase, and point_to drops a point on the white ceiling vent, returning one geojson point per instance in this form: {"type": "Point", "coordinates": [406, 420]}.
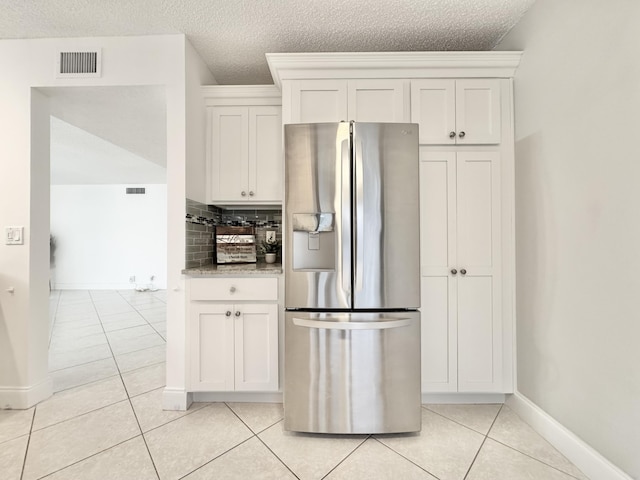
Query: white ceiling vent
{"type": "Point", "coordinates": [79, 64]}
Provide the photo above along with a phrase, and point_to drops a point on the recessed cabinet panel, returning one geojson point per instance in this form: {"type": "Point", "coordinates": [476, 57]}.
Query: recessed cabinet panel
{"type": "Point", "coordinates": [230, 140]}
{"type": "Point", "coordinates": [256, 348]}
{"type": "Point", "coordinates": [433, 106]}
{"type": "Point", "coordinates": [319, 101]}
{"type": "Point", "coordinates": [438, 335]}
{"type": "Point", "coordinates": [476, 335]}
{"type": "Point", "coordinates": [478, 111]}
{"type": "Point", "coordinates": [478, 178]}
{"type": "Point", "coordinates": [265, 154]}
{"type": "Point", "coordinates": [378, 101]}
{"type": "Point", "coordinates": [437, 211]}
{"type": "Point", "coordinates": [212, 344]}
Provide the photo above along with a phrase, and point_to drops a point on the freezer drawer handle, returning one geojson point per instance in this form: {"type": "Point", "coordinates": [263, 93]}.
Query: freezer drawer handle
{"type": "Point", "coordinates": [381, 325]}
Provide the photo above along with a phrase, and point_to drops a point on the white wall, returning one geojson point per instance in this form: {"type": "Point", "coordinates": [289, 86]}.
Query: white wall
{"type": "Point", "coordinates": [197, 74]}
{"type": "Point", "coordinates": [577, 104]}
{"type": "Point", "coordinates": [104, 236]}
{"type": "Point", "coordinates": [149, 60]}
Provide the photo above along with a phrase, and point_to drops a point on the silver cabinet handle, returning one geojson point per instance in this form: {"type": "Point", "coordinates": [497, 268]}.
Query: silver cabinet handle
{"type": "Point", "coordinates": [243, 193]}
{"type": "Point", "coordinates": [452, 134]}
{"type": "Point", "coordinates": [461, 134]}
{"type": "Point", "coordinates": [453, 271]}
{"type": "Point", "coordinates": [382, 325]}
{"type": "Point", "coordinates": [463, 271]}
{"type": "Point", "coordinates": [251, 193]}
{"type": "Point", "coordinates": [232, 289]}
{"type": "Point", "coordinates": [238, 313]}
{"type": "Point", "coordinates": [228, 314]}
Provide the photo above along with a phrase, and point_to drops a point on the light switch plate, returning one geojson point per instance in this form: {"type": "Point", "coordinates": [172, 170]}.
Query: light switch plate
{"type": "Point", "coordinates": [14, 235]}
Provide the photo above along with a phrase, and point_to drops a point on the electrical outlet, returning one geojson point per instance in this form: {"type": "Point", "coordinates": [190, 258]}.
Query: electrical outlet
{"type": "Point", "coordinates": [271, 236]}
{"type": "Point", "coordinates": [132, 279]}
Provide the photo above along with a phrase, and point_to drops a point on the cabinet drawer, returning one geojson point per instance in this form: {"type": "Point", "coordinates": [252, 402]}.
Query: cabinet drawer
{"type": "Point", "coordinates": [234, 289]}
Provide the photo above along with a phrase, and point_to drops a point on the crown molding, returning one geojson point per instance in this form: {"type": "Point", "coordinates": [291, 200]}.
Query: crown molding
{"type": "Point", "coordinates": [241, 95]}
{"type": "Point", "coordinates": [297, 66]}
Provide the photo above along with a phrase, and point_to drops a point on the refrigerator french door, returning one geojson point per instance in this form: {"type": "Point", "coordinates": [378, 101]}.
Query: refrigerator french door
{"type": "Point", "coordinates": [352, 278]}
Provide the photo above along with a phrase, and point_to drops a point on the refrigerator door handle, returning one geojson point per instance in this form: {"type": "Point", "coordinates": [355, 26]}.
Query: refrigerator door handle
{"type": "Point", "coordinates": [379, 325]}
{"type": "Point", "coordinates": [359, 215]}
{"type": "Point", "coordinates": [345, 242]}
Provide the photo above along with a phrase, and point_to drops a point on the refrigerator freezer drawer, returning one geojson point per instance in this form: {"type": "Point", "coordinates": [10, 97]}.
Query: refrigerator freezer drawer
{"type": "Point", "coordinates": [352, 372]}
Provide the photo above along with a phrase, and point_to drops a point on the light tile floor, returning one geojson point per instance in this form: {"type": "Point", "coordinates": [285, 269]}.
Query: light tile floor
{"type": "Point", "coordinates": [105, 422]}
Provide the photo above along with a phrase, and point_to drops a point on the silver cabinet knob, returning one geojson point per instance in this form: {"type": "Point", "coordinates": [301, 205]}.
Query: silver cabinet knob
{"type": "Point", "coordinates": [452, 134]}
{"type": "Point", "coordinates": [238, 313]}
{"type": "Point", "coordinates": [463, 271]}
{"type": "Point", "coordinates": [243, 193]}
{"type": "Point", "coordinates": [232, 290]}
{"type": "Point", "coordinates": [228, 314]}
{"type": "Point", "coordinates": [461, 134]}
{"type": "Point", "coordinates": [453, 271]}
{"type": "Point", "coordinates": [251, 194]}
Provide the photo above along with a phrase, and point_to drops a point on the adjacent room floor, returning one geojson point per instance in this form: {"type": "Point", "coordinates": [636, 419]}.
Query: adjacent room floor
{"type": "Point", "coordinates": [107, 361]}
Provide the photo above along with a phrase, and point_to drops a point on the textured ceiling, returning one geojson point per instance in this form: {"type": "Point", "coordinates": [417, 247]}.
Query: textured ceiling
{"type": "Point", "coordinates": [232, 36]}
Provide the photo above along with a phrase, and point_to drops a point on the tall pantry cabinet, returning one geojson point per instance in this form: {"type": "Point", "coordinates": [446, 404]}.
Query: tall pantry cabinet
{"type": "Point", "coordinates": [463, 104]}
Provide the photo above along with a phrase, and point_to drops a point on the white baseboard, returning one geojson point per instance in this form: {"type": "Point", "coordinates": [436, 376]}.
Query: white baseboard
{"type": "Point", "coordinates": [257, 397]}
{"type": "Point", "coordinates": [463, 398]}
{"type": "Point", "coordinates": [21, 398]}
{"type": "Point", "coordinates": [176, 399]}
{"type": "Point", "coordinates": [589, 461]}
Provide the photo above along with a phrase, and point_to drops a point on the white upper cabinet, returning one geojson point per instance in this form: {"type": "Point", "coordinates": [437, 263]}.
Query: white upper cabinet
{"type": "Point", "coordinates": [457, 112]}
{"type": "Point", "coordinates": [318, 101]}
{"type": "Point", "coordinates": [244, 144]}
{"type": "Point", "coordinates": [366, 100]}
{"type": "Point", "coordinates": [245, 154]}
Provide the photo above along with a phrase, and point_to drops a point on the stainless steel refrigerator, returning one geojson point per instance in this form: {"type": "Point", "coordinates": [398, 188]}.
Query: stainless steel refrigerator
{"type": "Point", "coordinates": [352, 278]}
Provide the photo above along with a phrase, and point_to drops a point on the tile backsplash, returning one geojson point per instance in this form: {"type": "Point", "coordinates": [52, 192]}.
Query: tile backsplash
{"type": "Point", "coordinates": [202, 219]}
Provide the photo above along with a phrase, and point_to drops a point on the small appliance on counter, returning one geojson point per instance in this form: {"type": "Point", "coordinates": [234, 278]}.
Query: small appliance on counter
{"type": "Point", "coordinates": [235, 245]}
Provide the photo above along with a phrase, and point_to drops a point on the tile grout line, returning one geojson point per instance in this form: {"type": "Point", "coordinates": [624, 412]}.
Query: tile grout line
{"type": "Point", "coordinates": [143, 317]}
{"type": "Point", "coordinates": [348, 455]}
{"type": "Point", "coordinates": [462, 424]}
{"type": "Point", "coordinates": [262, 441]}
{"type": "Point", "coordinates": [482, 444]}
{"type": "Point", "coordinates": [26, 450]}
{"type": "Point", "coordinates": [407, 459]}
{"type": "Point", "coordinates": [53, 324]}
{"type": "Point", "coordinates": [133, 410]}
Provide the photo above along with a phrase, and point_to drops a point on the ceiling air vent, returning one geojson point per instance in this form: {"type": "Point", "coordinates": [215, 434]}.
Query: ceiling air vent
{"type": "Point", "coordinates": [78, 64]}
{"type": "Point", "coordinates": [135, 191]}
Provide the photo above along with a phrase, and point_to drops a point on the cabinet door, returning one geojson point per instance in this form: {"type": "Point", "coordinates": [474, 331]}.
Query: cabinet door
{"type": "Point", "coordinates": [229, 153]}
{"type": "Point", "coordinates": [318, 101]}
{"type": "Point", "coordinates": [438, 256]}
{"type": "Point", "coordinates": [478, 111]}
{"type": "Point", "coordinates": [211, 338]}
{"type": "Point", "coordinates": [256, 347]}
{"type": "Point", "coordinates": [265, 154]}
{"type": "Point", "coordinates": [433, 107]}
{"type": "Point", "coordinates": [479, 319]}
{"type": "Point", "coordinates": [378, 101]}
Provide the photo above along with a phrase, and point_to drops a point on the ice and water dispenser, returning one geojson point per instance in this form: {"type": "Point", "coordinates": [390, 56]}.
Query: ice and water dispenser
{"type": "Point", "coordinates": [314, 241]}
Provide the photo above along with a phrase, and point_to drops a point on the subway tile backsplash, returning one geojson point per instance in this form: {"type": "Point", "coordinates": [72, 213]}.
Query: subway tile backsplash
{"type": "Point", "coordinates": [202, 219]}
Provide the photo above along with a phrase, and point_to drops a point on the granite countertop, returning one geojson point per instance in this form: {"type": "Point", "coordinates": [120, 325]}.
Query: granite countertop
{"type": "Point", "coordinates": [259, 268]}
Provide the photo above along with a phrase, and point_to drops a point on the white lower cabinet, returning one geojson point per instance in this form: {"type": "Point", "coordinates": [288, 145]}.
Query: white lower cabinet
{"type": "Point", "coordinates": [233, 347]}
{"type": "Point", "coordinates": [461, 272]}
